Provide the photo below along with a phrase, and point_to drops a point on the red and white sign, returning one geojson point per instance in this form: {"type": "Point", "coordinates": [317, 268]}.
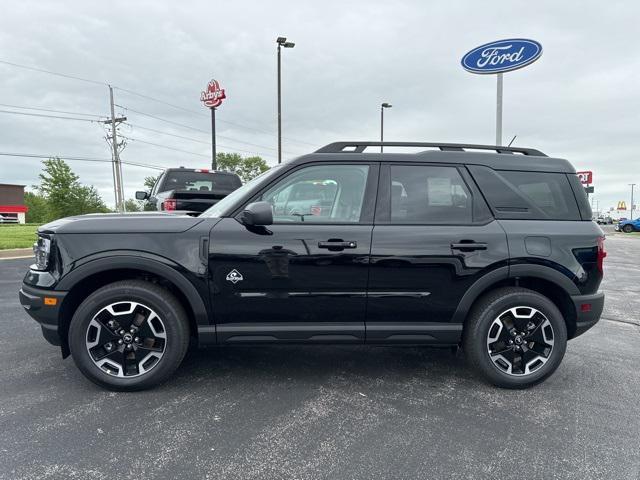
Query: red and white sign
{"type": "Point", "coordinates": [212, 97]}
{"type": "Point", "coordinates": [586, 177]}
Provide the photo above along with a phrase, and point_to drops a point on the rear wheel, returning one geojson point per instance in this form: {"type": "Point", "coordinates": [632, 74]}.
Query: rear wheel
{"type": "Point", "coordinates": [129, 335]}
{"type": "Point", "coordinates": [628, 228]}
{"type": "Point", "coordinates": [515, 337]}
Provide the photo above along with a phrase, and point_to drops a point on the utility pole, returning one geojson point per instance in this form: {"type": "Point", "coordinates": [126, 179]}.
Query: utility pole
{"type": "Point", "coordinates": [282, 42]}
{"type": "Point", "coordinates": [382, 107]}
{"type": "Point", "coordinates": [632, 185]}
{"type": "Point", "coordinates": [115, 166]}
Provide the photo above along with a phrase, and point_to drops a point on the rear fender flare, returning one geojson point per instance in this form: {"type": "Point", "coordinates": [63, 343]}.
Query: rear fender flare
{"type": "Point", "coordinates": [511, 272]}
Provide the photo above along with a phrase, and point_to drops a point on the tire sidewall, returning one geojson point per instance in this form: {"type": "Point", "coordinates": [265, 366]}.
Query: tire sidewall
{"type": "Point", "coordinates": [155, 298]}
{"type": "Point", "coordinates": [480, 331]}
{"type": "Point", "coordinates": [627, 228]}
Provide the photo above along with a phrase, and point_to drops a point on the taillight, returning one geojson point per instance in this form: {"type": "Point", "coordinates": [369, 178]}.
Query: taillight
{"type": "Point", "coordinates": [601, 254]}
{"type": "Point", "coordinates": [169, 204]}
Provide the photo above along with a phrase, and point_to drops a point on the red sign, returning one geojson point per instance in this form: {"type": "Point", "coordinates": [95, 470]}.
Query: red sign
{"type": "Point", "coordinates": [212, 97]}
{"type": "Point", "coordinates": [586, 178]}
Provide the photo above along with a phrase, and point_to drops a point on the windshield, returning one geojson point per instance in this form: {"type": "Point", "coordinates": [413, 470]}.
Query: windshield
{"type": "Point", "coordinates": [228, 203]}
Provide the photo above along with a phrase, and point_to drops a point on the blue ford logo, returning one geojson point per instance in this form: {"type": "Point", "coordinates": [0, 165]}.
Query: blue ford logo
{"type": "Point", "coordinates": [502, 56]}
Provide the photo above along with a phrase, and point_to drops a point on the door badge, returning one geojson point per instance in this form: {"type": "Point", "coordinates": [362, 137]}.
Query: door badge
{"type": "Point", "coordinates": [234, 276]}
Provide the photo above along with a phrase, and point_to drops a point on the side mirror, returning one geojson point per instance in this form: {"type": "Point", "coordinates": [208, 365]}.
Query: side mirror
{"type": "Point", "coordinates": [142, 195]}
{"type": "Point", "coordinates": [257, 214]}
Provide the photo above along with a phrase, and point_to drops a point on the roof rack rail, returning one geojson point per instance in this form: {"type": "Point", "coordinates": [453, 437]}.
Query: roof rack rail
{"type": "Point", "coordinates": [359, 147]}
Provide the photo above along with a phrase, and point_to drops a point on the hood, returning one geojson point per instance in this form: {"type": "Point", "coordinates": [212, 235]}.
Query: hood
{"type": "Point", "coordinates": [138, 222]}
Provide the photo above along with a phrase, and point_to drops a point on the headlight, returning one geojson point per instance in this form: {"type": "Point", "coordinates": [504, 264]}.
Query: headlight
{"type": "Point", "coordinates": [41, 250]}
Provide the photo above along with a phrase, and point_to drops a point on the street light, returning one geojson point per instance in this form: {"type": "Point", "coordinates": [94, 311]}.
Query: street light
{"type": "Point", "coordinates": [282, 42]}
{"type": "Point", "coordinates": [382, 107]}
{"type": "Point", "coordinates": [632, 185]}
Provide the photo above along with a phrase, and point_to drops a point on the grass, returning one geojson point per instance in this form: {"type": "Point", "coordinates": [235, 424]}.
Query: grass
{"type": "Point", "coordinates": [17, 236]}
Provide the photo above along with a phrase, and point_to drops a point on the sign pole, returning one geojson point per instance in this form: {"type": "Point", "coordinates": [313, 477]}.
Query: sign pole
{"type": "Point", "coordinates": [213, 138]}
{"type": "Point", "coordinates": [499, 110]}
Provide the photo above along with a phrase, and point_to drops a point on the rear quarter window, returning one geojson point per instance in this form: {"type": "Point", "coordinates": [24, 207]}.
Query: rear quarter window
{"type": "Point", "coordinates": [527, 195]}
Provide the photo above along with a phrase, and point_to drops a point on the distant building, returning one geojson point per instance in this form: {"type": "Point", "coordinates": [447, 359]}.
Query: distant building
{"type": "Point", "coordinates": [12, 207]}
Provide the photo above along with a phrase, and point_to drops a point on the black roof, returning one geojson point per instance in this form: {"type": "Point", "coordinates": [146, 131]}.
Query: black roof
{"type": "Point", "coordinates": [497, 157]}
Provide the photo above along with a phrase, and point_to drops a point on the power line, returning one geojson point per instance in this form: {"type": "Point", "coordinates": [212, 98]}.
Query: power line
{"type": "Point", "coordinates": [171, 122]}
{"type": "Point", "coordinates": [164, 146]}
{"type": "Point", "coordinates": [200, 114]}
{"type": "Point", "coordinates": [49, 116]}
{"type": "Point", "coordinates": [167, 133]}
{"type": "Point", "coordinates": [52, 111]}
{"type": "Point", "coordinates": [78, 159]}
{"type": "Point", "coordinates": [132, 92]}
{"type": "Point", "coordinates": [42, 70]}
{"type": "Point", "coordinates": [198, 141]}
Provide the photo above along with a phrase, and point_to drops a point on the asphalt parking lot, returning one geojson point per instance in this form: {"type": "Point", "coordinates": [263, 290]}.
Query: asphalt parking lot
{"type": "Point", "coordinates": [328, 412]}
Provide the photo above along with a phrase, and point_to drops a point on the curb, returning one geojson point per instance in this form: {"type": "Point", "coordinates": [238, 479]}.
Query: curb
{"type": "Point", "coordinates": [12, 253]}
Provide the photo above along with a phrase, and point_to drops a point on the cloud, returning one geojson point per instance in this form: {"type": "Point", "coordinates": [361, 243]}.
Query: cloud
{"type": "Point", "coordinates": [579, 101]}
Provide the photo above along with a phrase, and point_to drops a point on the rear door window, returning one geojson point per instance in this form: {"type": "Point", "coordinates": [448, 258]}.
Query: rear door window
{"type": "Point", "coordinates": [424, 194]}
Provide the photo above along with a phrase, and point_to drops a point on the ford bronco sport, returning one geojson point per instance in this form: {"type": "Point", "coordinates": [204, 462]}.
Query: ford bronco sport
{"type": "Point", "coordinates": [488, 248]}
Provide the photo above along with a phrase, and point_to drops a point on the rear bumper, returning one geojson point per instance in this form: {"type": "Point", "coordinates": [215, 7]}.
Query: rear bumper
{"type": "Point", "coordinates": [587, 317]}
{"type": "Point", "coordinates": [47, 315]}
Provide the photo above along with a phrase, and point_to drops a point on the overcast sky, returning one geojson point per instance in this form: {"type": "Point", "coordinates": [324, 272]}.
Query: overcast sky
{"type": "Point", "coordinates": [580, 101]}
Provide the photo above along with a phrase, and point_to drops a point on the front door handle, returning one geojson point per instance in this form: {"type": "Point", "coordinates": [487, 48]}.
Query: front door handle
{"type": "Point", "coordinates": [336, 245]}
{"type": "Point", "coordinates": [468, 246]}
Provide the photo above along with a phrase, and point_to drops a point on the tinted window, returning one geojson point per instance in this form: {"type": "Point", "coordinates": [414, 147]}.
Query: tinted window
{"type": "Point", "coordinates": [199, 181]}
{"type": "Point", "coordinates": [581, 197]}
{"type": "Point", "coordinates": [319, 194]}
{"type": "Point", "coordinates": [550, 192]}
{"type": "Point", "coordinates": [429, 195]}
{"type": "Point", "coordinates": [527, 195]}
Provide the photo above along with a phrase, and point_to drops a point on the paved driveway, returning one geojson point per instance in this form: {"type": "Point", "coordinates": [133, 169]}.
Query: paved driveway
{"type": "Point", "coordinates": [328, 412]}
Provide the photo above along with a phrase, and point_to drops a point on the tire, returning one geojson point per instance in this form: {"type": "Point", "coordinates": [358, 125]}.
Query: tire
{"type": "Point", "coordinates": [486, 337]}
{"type": "Point", "coordinates": [154, 342]}
{"type": "Point", "coordinates": [628, 228]}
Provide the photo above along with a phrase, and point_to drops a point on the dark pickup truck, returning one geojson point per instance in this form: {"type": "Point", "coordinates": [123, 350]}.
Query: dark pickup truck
{"type": "Point", "coordinates": [190, 189]}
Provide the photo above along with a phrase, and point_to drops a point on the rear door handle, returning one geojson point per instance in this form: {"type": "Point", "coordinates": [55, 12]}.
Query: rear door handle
{"type": "Point", "coordinates": [337, 245]}
{"type": "Point", "coordinates": [468, 246]}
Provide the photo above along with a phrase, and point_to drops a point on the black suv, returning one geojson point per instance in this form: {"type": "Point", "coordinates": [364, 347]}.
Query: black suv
{"type": "Point", "coordinates": [490, 248]}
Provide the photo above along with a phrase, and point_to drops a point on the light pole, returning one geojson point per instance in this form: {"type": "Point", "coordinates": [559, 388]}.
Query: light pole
{"type": "Point", "coordinates": [282, 42]}
{"type": "Point", "coordinates": [631, 207]}
{"type": "Point", "coordinates": [382, 107]}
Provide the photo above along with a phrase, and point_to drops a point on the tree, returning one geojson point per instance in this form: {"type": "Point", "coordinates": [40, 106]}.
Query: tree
{"type": "Point", "coordinates": [247, 168]}
{"type": "Point", "coordinates": [64, 194]}
{"type": "Point", "coordinates": [38, 208]}
{"type": "Point", "coordinates": [150, 182]}
{"type": "Point", "coordinates": [131, 205]}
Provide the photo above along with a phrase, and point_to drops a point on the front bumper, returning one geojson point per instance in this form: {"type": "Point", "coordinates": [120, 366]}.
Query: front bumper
{"type": "Point", "coordinates": [588, 311]}
{"type": "Point", "coordinates": [45, 312]}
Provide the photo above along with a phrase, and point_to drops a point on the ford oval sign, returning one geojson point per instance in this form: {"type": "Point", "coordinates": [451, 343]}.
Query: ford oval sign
{"type": "Point", "coordinates": [502, 56]}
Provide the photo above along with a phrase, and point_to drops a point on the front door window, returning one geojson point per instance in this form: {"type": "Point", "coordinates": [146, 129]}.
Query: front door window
{"type": "Point", "coordinates": [319, 194]}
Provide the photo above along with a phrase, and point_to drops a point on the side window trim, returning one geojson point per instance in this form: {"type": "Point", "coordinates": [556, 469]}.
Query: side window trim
{"type": "Point", "coordinates": [383, 207]}
{"type": "Point", "coordinates": [368, 201]}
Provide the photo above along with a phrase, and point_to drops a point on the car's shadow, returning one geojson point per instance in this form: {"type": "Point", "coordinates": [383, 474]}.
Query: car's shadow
{"type": "Point", "coordinates": [304, 363]}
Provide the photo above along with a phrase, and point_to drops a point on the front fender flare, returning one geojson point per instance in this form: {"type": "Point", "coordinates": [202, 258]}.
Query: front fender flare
{"type": "Point", "coordinates": [157, 266]}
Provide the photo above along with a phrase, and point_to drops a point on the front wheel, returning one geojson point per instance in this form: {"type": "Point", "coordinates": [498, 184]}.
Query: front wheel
{"type": "Point", "coordinates": [628, 228]}
{"type": "Point", "coordinates": [515, 337]}
{"type": "Point", "coordinates": [129, 335]}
